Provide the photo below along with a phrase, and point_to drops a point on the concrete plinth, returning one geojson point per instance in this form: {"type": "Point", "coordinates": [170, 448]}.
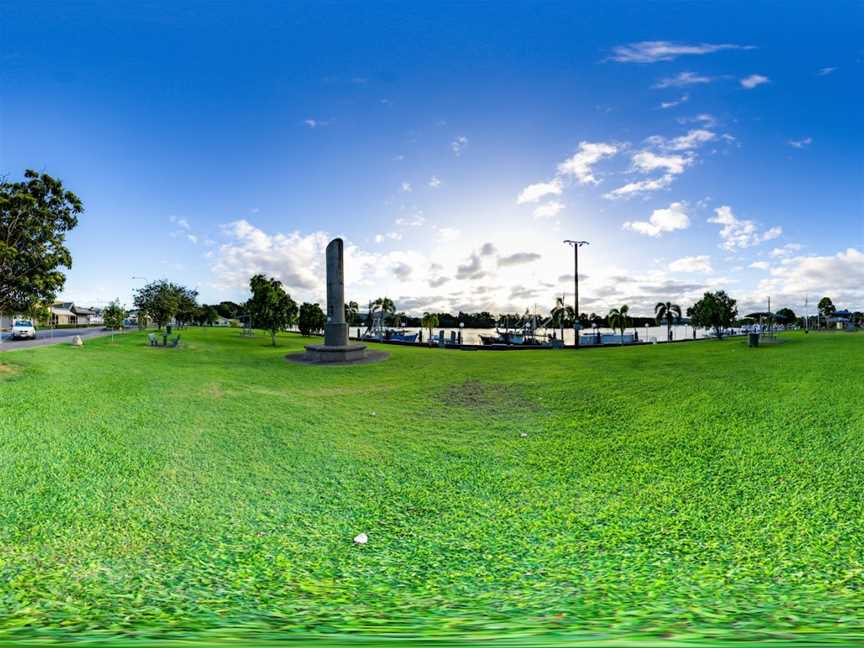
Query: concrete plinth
{"type": "Point", "coordinates": [342, 353]}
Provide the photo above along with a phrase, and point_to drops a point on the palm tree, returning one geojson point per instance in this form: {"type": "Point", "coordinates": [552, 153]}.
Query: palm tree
{"type": "Point", "coordinates": [429, 321]}
{"type": "Point", "coordinates": [385, 306]}
{"type": "Point", "coordinates": [668, 311]}
{"type": "Point", "coordinates": [352, 309]}
{"type": "Point", "coordinates": [561, 312]}
{"type": "Point", "coordinates": [619, 318]}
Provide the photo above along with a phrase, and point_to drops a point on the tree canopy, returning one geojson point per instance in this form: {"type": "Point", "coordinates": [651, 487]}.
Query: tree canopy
{"type": "Point", "coordinates": [786, 316]}
{"type": "Point", "coordinates": [312, 319]}
{"type": "Point", "coordinates": [114, 315]}
{"type": "Point", "coordinates": [35, 216]}
{"type": "Point", "coordinates": [270, 307]}
{"type": "Point", "coordinates": [162, 300]}
{"type": "Point", "coordinates": [715, 310]}
{"type": "Point", "coordinates": [826, 307]}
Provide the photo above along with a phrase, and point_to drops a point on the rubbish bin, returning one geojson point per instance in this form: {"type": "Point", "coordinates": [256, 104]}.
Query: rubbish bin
{"type": "Point", "coordinates": [754, 340]}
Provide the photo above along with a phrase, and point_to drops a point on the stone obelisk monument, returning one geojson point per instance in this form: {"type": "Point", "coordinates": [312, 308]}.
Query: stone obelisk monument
{"type": "Point", "coordinates": [336, 347]}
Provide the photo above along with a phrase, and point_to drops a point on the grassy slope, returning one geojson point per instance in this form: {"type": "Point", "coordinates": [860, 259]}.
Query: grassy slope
{"type": "Point", "coordinates": [692, 489]}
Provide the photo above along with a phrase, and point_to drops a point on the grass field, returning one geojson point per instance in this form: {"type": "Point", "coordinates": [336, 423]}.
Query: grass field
{"type": "Point", "coordinates": [677, 491]}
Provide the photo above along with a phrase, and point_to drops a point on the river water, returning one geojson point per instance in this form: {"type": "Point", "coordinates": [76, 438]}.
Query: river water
{"type": "Point", "coordinates": [472, 336]}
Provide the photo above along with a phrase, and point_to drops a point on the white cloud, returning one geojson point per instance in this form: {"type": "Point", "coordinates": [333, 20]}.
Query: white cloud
{"type": "Point", "coordinates": [654, 51]}
{"type": "Point", "coordinates": [488, 249]}
{"type": "Point", "coordinates": [826, 71]}
{"type": "Point", "coordinates": [458, 145]}
{"type": "Point", "coordinates": [580, 164]}
{"type": "Point", "coordinates": [434, 182]}
{"type": "Point", "coordinates": [315, 123]}
{"type": "Point", "coordinates": [802, 143]}
{"type": "Point", "coordinates": [671, 104]}
{"type": "Point", "coordinates": [760, 265]}
{"type": "Point", "coordinates": [753, 81]}
{"type": "Point", "coordinates": [646, 162]}
{"type": "Point", "coordinates": [786, 250]}
{"type": "Point", "coordinates": [548, 210]}
{"type": "Point", "coordinates": [669, 219]}
{"type": "Point", "coordinates": [534, 192]}
{"type": "Point", "coordinates": [682, 80]}
{"type": "Point", "coordinates": [414, 220]}
{"type": "Point", "coordinates": [693, 139]}
{"type": "Point", "coordinates": [406, 187]}
{"type": "Point", "coordinates": [692, 264]}
{"type": "Point", "coordinates": [740, 233]}
{"type": "Point", "coordinates": [706, 119]}
{"type": "Point", "coordinates": [393, 236]}
{"type": "Point", "coordinates": [840, 277]}
{"type": "Point", "coordinates": [448, 233]}
{"type": "Point", "coordinates": [180, 222]}
{"type": "Point", "coordinates": [639, 187]}
{"type": "Point", "coordinates": [192, 238]}
{"type": "Point", "coordinates": [295, 259]}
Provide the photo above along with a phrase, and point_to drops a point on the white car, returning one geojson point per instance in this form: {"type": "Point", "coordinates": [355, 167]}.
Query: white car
{"type": "Point", "coordinates": [23, 329]}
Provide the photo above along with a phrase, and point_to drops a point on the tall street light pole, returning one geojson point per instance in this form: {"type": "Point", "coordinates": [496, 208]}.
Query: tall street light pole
{"type": "Point", "coordinates": [576, 245]}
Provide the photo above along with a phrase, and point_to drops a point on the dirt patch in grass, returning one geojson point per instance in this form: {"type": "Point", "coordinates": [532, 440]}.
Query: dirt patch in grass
{"type": "Point", "coordinates": [214, 391]}
{"type": "Point", "coordinates": [6, 370]}
{"type": "Point", "coordinates": [473, 394]}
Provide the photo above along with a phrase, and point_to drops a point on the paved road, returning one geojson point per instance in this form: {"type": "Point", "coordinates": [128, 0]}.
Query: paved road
{"type": "Point", "coordinates": [47, 336]}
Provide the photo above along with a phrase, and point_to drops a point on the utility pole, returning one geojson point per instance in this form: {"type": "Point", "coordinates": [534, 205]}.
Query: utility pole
{"type": "Point", "coordinates": [576, 245]}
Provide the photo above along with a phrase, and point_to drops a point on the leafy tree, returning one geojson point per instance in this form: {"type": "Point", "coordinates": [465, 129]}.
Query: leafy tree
{"type": "Point", "coordinates": [206, 315]}
{"type": "Point", "coordinates": [669, 312]}
{"type": "Point", "coordinates": [429, 321]}
{"type": "Point", "coordinates": [312, 319]}
{"type": "Point", "coordinates": [187, 307]}
{"type": "Point", "coordinates": [826, 308]}
{"type": "Point", "coordinates": [271, 308]}
{"type": "Point", "coordinates": [560, 313]}
{"type": "Point", "coordinates": [619, 318]}
{"type": "Point", "coordinates": [34, 217]}
{"type": "Point", "coordinates": [161, 300]}
{"type": "Point", "coordinates": [114, 315]}
{"type": "Point", "coordinates": [786, 316]}
{"type": "Point", "coordinates": [40, 313]}
{"type": "Point", "coordinates": [228, 310]}
{"type": "Point", "coordinates": [715, 310]}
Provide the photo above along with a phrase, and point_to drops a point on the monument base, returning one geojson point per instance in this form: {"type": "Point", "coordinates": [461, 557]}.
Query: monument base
{"type": "Point", "coordinates": [344, 353]}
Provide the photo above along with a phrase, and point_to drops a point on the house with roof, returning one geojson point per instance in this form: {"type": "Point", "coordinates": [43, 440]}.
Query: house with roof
{"type": "Point", "coordinates": [63, 314]}
{"type": "Point", "coordinates": [842, 319]}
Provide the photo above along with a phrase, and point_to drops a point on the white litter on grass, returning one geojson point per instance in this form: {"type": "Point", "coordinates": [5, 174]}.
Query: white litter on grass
{"type": "Point", "coordinates": [524, 435]}
{"type": "Point", "coordinates": [361, 539]}
{"type": "Point", "coordinates": [373, 414]}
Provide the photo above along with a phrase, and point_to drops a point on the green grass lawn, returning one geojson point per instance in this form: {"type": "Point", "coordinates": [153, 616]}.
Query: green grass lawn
{"type": "Point", "coordinates": [688, 490]}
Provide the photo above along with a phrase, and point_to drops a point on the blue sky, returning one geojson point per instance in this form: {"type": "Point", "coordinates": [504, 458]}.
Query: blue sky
{"type": "Point", "coordinates": [453, 145]}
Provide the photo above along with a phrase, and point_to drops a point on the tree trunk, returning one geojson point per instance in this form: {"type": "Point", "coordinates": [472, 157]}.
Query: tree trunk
{"type": "Point", "coordinates": [273, 337]}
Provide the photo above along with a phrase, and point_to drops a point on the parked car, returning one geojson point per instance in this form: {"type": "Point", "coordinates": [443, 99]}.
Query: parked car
{"type": "Point", "coordinates": [23, 329]}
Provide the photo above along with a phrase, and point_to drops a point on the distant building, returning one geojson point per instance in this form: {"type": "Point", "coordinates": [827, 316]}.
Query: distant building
{"type": "Point", "coordinates": [82, 315]}
{"type": "Point", "coordinates": [63, 314]}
